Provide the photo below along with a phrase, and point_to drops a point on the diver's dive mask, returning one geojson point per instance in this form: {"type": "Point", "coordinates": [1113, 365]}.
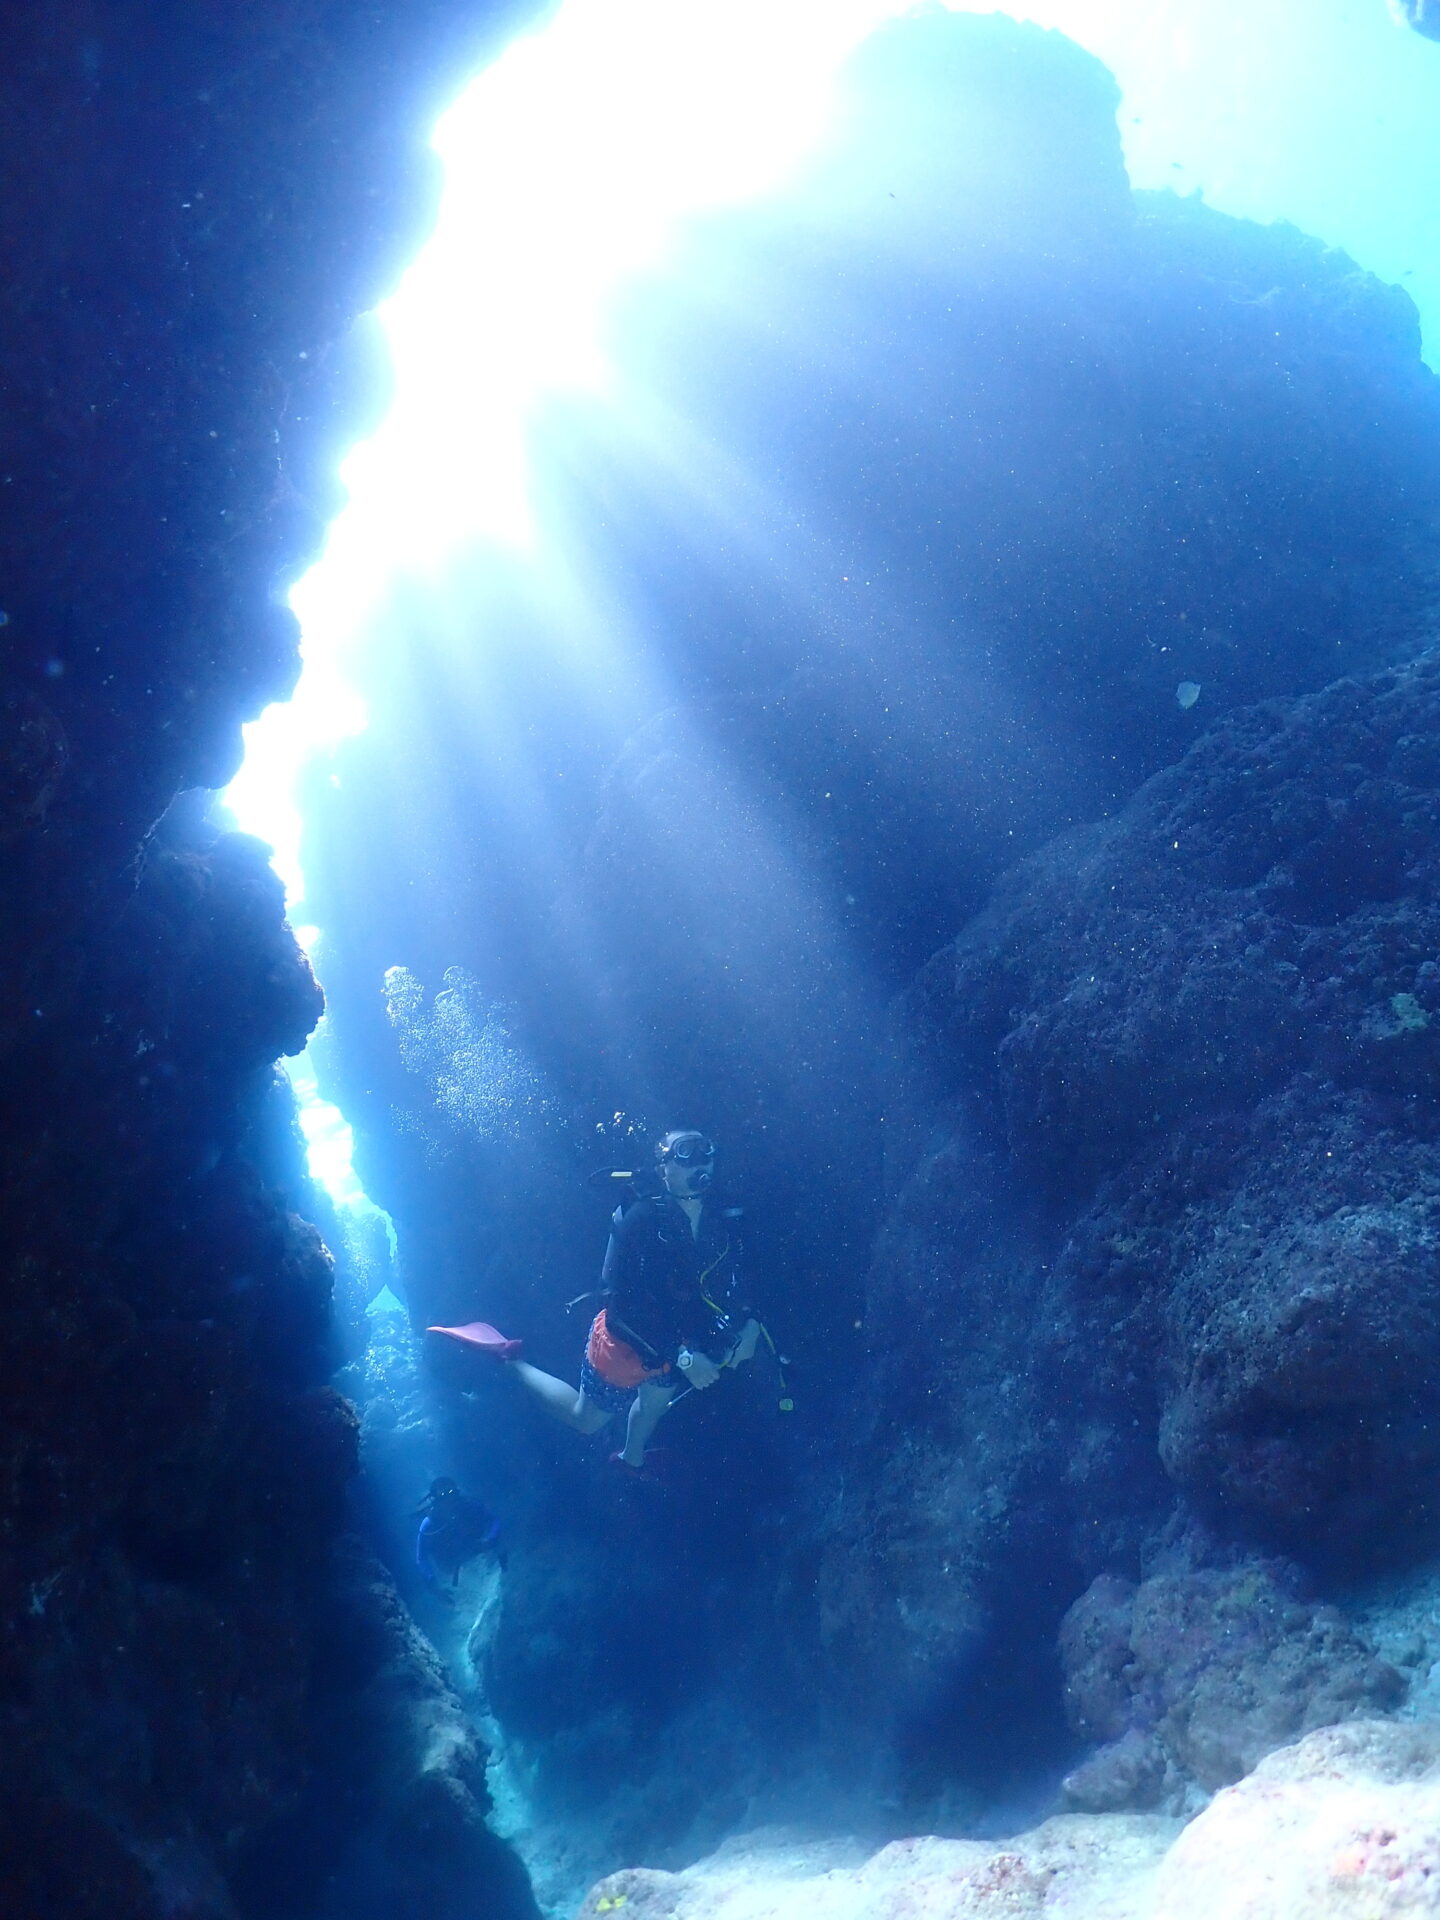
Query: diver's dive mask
{"type": "Point", "coordinates": [694, 1153]}
{"type": "Point", "coordinates": [688, 1148]}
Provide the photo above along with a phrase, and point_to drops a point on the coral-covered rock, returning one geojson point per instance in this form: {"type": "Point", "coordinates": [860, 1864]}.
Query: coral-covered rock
{"type": "Point", "coordinates": [1204, 1033]}
{"type": "Point", "coordinates": [1191, 1678]}
{"type": "Point", "coordinates": [1165, 1213]}
{"type": "Point", "coordinates": [1228, 994]}
{"type": "Point", "coordinates": [1345, 1823]}
{"type": "Point", "coordinates": [1133, 1771]}
{"type": "Point", "coordinates": [1093, 1869]}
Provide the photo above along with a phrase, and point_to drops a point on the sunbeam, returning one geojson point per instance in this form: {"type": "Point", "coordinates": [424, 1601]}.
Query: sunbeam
{"type": "Point", "coordinates": [570, 165]}
{"type": "Point", "coordinates": [567, 165]}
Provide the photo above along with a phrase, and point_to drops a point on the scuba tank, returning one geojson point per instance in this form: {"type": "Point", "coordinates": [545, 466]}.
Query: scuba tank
{"type": "Point", "coordinates": [624, 1184]}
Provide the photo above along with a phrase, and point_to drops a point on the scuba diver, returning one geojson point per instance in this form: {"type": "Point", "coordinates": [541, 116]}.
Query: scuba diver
{"type": "Point", "coordinates": [671, 1318]}
{"type": "Point", "coordinates": [454, 1529]}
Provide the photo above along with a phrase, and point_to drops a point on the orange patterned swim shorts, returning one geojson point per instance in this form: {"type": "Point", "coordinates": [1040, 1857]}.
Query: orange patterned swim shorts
{"type": "Point", "coordinates": [616, 1362]}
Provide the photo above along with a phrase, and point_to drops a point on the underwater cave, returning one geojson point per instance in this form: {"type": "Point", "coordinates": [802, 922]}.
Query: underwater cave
{"type": "Point", "coordinates": [720, 971]}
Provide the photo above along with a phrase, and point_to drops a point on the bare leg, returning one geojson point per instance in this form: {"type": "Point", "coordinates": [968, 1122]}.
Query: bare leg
{"type": "Point", "coordinates": [563, 1403]}
{"type": "Point", "coordinates": [645, 1410]}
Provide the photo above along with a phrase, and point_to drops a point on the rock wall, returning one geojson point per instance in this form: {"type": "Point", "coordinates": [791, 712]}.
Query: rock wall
{"type": "Point", "coordinates": [196, 206]}
{"type": "Point", "coordinates": [1164, 1195]}
{"type": "Point", "coordinates": [1191, 1678]}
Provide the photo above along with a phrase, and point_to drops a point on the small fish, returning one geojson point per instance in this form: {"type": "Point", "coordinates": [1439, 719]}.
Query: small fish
{"type": "Point", "coordinates": [1187, 693]}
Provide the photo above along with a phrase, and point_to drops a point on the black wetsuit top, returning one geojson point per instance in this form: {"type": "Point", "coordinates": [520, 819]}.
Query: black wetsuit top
{"type": "Point", "coordinates": [454, 1529]}
{"type": "Point", "coordinates": [666, 1288]}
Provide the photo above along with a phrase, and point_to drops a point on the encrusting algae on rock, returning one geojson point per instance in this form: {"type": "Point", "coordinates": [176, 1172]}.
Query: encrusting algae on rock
{"type": "Point", "coordinates": [1345, 1825]}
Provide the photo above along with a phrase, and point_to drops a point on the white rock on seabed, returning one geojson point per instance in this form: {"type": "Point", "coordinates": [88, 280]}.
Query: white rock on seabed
{"type": "Point", "coordinates": [1345, 1825]}
{"type": "Point", "coordinates": [1098, 1866]}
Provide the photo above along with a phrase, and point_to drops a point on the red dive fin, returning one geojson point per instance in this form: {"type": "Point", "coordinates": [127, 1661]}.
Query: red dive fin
{"type": "Point", "coordinates": [479, 1333]}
